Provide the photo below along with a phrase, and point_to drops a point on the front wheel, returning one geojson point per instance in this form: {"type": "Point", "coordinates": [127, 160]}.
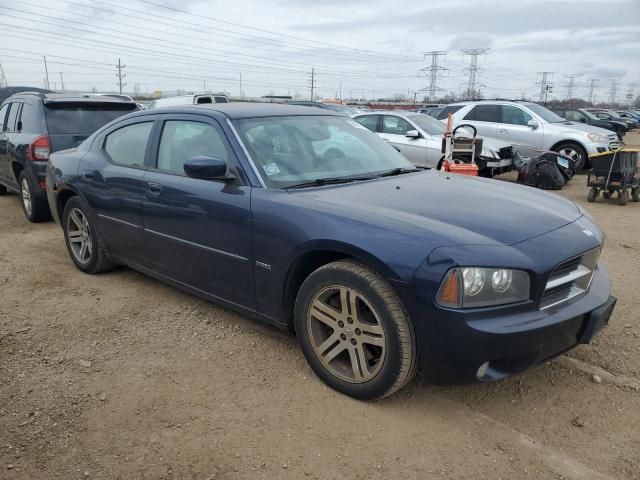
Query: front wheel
{"type": "Point", "coordinates": [81, 238]}
{"type": "Point", "coordinates": [354, 331]}
{"type": "Point", "coordinates": [575, 152]}
{"type": "Point", "coordinates": [635, 194]}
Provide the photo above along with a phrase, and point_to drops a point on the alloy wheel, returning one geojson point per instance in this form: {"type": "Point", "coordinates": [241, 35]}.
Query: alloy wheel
{"type": "Point", "coordinates": [346, 334]}
{"type": "Point", "coordinates": [25, 194]}
{"type": "Point", "coordinates": [79, 236]}
{"type": "Point", "coordinates": [571, 153]}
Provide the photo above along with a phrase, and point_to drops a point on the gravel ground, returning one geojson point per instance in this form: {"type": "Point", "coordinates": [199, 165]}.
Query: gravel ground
{"type": "Point", "coordinates": [119, 376]}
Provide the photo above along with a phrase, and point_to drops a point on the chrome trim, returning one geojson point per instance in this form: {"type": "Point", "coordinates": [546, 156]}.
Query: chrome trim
{"type": "Point", "coordinates": [579, 272]}
{"type": "Point", "coordinates": [117, 220]}
{"type": "Point", "coordinates": [204, 247]}
{"type": "Point", "coordinates": [574, 292]}
{"type": "Point", "coordinates": [246, 152]}
{"type": "Point", "coordinates": [569, 282]}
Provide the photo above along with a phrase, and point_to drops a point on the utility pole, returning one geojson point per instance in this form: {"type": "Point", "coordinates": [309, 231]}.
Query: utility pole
{"type": "Point", "coordinates": [593, 83]}
{"type": "Point", "coordinates": [473, 70]}
{"type": "Point", "coordinates": [46, 71]}
{"type": "Point", "coordinates": [546, 86]}
{"type": "Point", "coordinates": [433, 72]}
{"type": "Point", "coordinates": [3, 78]}
{"type": "Point", "coordinates": [61, 81]}
{"type": "Point", "coordinates": [570, 85]}
{"type": "Point", "coordinates": [613, 91]}
{"type": "Point", "coordinates": [313, 82]}
{"type": "Point", "coordinates": [204, 85]}
{"type": "Point", "coordinates": [120, 75]}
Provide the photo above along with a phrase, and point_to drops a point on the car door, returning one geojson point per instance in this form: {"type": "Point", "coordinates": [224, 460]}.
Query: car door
{"type": "Point", "coordinates": [198, 232]}
{"type": "Point", "coordinates": [484, 117]}
{"type": "Point", "coordinates": [513, 127]}
{"type": "Point", "coordinates": [7, 138]}
{"type": "Point", "coordinates": [4, 142]}
{"type": "Point", "coordinates": [112, 182]}
{"type": "Point", "coordinates": [394, 129]}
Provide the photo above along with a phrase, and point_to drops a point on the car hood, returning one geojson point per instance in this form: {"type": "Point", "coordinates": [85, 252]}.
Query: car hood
{"type": "Point", "coordinates": [579, 126]}
{"type": "Point", "coordinates": [454, 208]}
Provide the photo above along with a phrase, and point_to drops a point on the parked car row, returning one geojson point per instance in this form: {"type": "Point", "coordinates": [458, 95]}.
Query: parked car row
{"type": "Point", "coordinates": [306, 219]}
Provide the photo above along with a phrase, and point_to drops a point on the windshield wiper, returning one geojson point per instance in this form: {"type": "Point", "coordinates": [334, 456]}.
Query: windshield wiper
{"type": "Point", "coordinates": [330, 181]}
{"type": "Point", "coordinates": [398, 171]}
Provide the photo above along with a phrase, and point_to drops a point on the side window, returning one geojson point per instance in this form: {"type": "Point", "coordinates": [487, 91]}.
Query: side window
{"type": "Point", "coordinates": [30, 120]}
{"type": "Point", "coordinates": [221, 99]}
{"type": "Point", "coordinates": [183, 139]}
{"type": "Point", "coordinates": [573, 115]}
{"type": "Point", "coordinates": [13, 115]}
{"type": "Point", "coordinates": [127, 145]}
{"type": "Point", "coordinates": [3, 116]}
{"type": "Point", "coordinates": [204, 100]}
{"type": "Point", "coordinates": [483, 113]}
{"type": "Point", "coordinates": [368, 121]}
{"type": "Point", "coordinates": [395, 125]}
{"type": "Point", "coordinates": [514, 116]}
{"type": "Point", "coordinates": [448, 110]}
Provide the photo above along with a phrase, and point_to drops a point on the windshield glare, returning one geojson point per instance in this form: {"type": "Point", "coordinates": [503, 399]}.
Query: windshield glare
{"type": "Point", "coordinates": [545, 114]}
{"type": "Point", "coordinates": [428, 124]}
{"type": "Point", "coordinates": [292, 150]}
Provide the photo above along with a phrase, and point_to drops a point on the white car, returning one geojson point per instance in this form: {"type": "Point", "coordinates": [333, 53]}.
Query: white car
{"type": "Point", "coordinates": [419, 138]}
{"type": "Point", "coordinates": [194, 99]}
{"type": "Point", "coordinates": [527, 123]}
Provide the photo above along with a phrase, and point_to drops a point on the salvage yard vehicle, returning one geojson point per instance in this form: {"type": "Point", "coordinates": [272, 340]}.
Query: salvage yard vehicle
{"type": "Point", "coordinates": [34, 124]}
{"type": "Point", "coordinates": [419, 138]}
{"type": "Point", "coordinates": [192, 99]}
{"type": "Point", "coordinates": [605, 114]}
{"type": "Point", "coordinates": [585, 116]}
{"type": "Point", "coordinates": [302, 218]}
{"type": "Point", "coordinates": [527, 123]}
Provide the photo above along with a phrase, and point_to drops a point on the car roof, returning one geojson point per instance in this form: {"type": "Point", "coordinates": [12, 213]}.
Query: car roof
{"type": "Point", "coordinates": [399, 113]}
{"type": "Point", "coordinates": [72, 97]}
{"type": "Point", "coordinates": [241, 110]}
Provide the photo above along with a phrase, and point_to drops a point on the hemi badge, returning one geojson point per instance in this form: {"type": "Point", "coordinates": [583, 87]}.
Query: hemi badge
{"type": "Point", "coordinates": [266, 266]}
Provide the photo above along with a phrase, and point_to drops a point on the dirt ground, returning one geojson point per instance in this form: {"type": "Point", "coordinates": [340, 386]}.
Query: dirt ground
{"type": "Point", "coordinates": [120, 376]}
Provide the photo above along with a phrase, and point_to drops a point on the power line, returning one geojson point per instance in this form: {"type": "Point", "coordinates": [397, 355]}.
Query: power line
{"type": "Point", "coordinates": [473, 90]}
{"type": "Point", "coordinates": [434, 71]}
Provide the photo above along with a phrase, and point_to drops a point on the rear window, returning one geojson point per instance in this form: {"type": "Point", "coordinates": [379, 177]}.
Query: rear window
{"type": "Point", "coordinates": [484, 113]}
{"type": "Point", "coordinates": [83, 118]}
{"type": "Point", "coordinates": [450, 109]}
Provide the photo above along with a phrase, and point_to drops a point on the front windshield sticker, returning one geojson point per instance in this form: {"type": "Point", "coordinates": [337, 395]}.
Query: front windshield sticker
{"type": "Point", "coordinates": [271, 169]}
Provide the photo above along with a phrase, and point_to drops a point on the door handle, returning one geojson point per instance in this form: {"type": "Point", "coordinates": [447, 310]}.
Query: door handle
{"type": "Point", "coordinates": [154, 188]}
{"type": "Point", "coordinates": [502, 130]}
{"type": "Point", "coordinates": [87, 175]}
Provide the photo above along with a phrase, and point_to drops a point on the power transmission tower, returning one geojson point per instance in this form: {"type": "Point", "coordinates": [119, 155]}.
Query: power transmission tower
{"type": "Point", "coordinates": [3, 78]}
{"type": "Point", "coordinates": [546, 87]}
{"type": "Point", "coordinates": [61, 81]}
{"type": "Point", "coordinates": [570, 85]}
{"type": "Point", "coordinates": [434, 72]}
{"type": "Point", "coordinates": [613, 91]}
{"type": "Point", "coordinates": [120, 75]}
{"type": "Point", "coordinates": [592, 88]}
{"type": "Point", "coordinates": [628, 96]}
{"type": "Point", "coordinates": [313, 82]}
{"type": "Point", "coordinates": [472, 71]}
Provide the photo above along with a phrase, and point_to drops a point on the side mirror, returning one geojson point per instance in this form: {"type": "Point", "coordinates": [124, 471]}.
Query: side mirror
{"type": "Point", "coordinates": [583, 120]}
{"type": "Point", "coordinates": [412, 134]}
{"type": "Point", "coordinates": [204, 167]}
{"type": "Point", "coordinates": [533, 124]}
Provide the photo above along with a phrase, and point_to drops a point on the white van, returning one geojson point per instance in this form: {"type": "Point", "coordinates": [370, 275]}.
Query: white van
{"type": "Point", "coordinates": [189, 100]}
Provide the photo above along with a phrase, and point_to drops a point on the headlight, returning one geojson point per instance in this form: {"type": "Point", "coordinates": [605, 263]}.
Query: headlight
{"type": "Point", "coordinates": [596, 137]}
{"type": "Point", "coordinates": [489, 153]}
{"type": "Point", "coordinates": [472, 287]}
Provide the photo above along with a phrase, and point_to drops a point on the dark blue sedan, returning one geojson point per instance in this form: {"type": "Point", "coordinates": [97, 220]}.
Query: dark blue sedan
{"type": "Point", "coordinates": [303, 218]}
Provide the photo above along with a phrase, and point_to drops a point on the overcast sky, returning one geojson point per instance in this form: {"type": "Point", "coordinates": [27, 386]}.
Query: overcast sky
{"type": "Point", "coordinates": [368, 47]}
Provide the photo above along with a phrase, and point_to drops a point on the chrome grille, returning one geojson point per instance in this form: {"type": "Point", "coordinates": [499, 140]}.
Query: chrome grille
{"type": "Point", "coordinates": [570, 279]}
{"type": "Point", "coordinates": [612, 137]}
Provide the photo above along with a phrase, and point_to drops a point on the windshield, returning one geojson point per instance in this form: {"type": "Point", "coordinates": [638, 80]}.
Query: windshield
{"type": "Point", "coordinates": [83, 117]}
{"type": "Point", "coordinates": [588, 114]}
{"type": "Point", "coordinates": [428, 124]}
{"type": "Point", "coordinates": [292, 150]}
{"type": "Point", "coordinates": [545, 114]}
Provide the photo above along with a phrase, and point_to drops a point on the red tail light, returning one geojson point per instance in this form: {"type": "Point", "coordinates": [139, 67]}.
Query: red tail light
{"type": "Point", "coordinates": [40, 148]}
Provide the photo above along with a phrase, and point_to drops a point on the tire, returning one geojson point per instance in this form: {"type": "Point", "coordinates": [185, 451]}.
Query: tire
{"type": "Point", "coordinates": [3, 190]}
{"type": "Point", "coordinates": [635, 194]}
{"type": "Point", "coordinates": [34, 204]}
{"type": "Point", "coordinates": [373, 353]}
{"type": "Point", "coordinates": [81, 238]}
{"type": "Point", "coordinates": [606, 194]}
{"type": "Point", "coordinates": [592, 195]}
{"type": "Point", "coordinates": [575, 152]}
{"type": "Point", "coordinates": [623, 197]}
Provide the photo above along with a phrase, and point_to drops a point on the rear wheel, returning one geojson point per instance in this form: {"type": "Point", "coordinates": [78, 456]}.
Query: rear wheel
{"type": "Point", "coordinates": [575, 152]}
{"type": "Point", "coordinates": [635, 194]}
{"type": "Point", "coordinates": [623, 197]}
{"type": "Point", "coordinates": [354, 331]}
{"type": "Point", "coordinates": [593, 194]}
{"type": "Point", "coordinates": [606, 194]}
{"type": "Point", "coordinates": [81, 238]}
{"type": "Point", "coordinates": [34, 202]}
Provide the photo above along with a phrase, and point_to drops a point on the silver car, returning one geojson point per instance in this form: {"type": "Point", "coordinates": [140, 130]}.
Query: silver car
{"type": "Point", "coordinates": [527, 123]}
{"type": "Point", "coordinates": [419, 138]}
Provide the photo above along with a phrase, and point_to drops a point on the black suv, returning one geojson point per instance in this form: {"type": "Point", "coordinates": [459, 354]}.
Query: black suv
{"type": "Point", "coordinates": [585, 116]}
{"type": "Point", "coordinates": [35, 124]}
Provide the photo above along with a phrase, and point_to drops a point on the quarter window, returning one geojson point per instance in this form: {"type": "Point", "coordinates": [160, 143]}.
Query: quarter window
{"type": "Point", "coordinates": [11, 119]}
{"type": "Point", "coordinates": [128, 145]}
{"type": "Point", "coordinates": [483, 113]}
{"type": "Point", "coordinates": [368, 121]}
{"type": "Point", "coordinates": [514, 116]}
{"type": "Point", "coordinates": [29, 119]}
{"type": "Point", "coordinates": [395, 125]}
{"type": "Point", "coordinates": [183, 139]}
{"type": "Point", "coordinates": [3, 115]}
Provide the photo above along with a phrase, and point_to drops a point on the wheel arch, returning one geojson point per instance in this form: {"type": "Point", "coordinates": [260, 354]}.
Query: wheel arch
{"type": "Point", "coordinates": [570, 141]}
{"type": "Point", "coordinates": [310, 259]}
